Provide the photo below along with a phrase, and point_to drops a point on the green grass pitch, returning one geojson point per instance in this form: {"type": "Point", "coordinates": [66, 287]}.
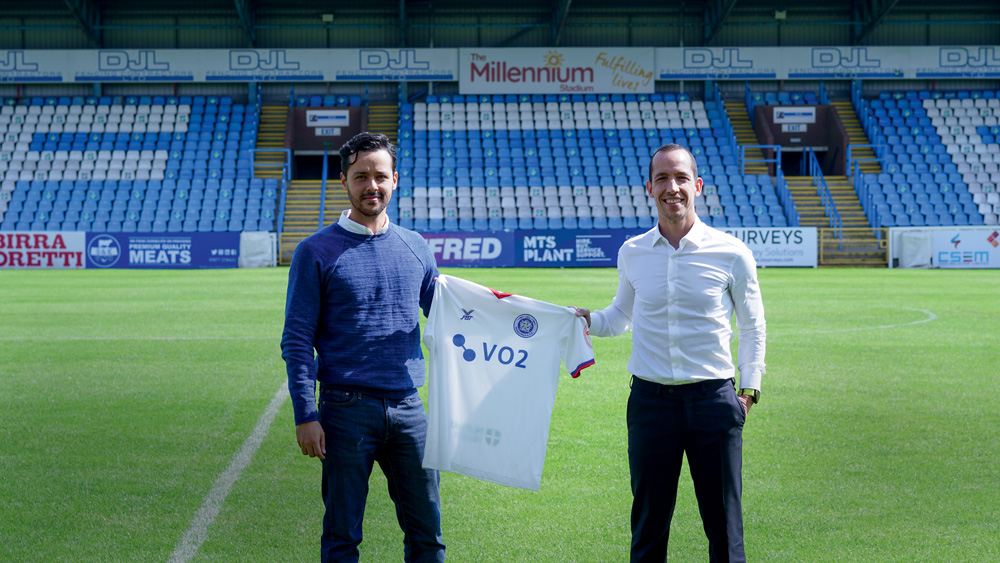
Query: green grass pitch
{"type": "Point", "coordinates": [124, 395]}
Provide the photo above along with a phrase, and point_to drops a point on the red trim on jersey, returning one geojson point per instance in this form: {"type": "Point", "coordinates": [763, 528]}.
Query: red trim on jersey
{"type": "Point", "coordinates": [499, 294]}
{"type": "Point", "coordinates": [581, 367]}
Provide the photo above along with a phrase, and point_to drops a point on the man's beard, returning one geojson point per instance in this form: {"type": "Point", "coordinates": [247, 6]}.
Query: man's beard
{"type": "Point", "coordinates": [366, 210]}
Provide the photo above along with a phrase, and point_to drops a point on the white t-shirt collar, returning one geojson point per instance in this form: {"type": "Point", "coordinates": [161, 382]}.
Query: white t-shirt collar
{"type": "Point", "coordinates": [353, 226]}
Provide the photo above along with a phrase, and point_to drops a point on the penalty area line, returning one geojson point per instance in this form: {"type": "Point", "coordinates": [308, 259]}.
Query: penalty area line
{"type": "Point", "coordinates": [197, 533]}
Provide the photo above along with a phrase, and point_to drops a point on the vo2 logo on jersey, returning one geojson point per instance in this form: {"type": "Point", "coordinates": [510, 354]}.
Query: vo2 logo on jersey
{"type": "Point", "coordinates": [505, 354]}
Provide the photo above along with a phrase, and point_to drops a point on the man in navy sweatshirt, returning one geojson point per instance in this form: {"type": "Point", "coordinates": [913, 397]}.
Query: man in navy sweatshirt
{"type": "Point", "coordinates": [355, 289]}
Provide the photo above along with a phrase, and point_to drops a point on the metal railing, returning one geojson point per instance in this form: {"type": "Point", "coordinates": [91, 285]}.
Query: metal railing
{"type": "Point", "coordinates": [856, 93]}
{"type": "Point", "coordinates": [879, 149]}
{"type": "Point", "coordinates": [860, 187]}
{"type": "Point", "coordinates": [322, 188]}
{"type": "Point", "coordinates": [867, 199]}
{"type": "Point", "coordinates": [743, 159]}
{"type": "Point", "coordinates": [787, 201]}
{"type": "Point", "coordinates": [857, 179]}
{"type": "Point", "coordinates": [750, 100]}
{"type": "Point", "coordinates": [727, 125]}
{"type": "Point", "coordinates": [824, 98]}
{"type": "Point", "coordinates": [812, 168]}
{"type": "Point", "coordinates": [286, 171]}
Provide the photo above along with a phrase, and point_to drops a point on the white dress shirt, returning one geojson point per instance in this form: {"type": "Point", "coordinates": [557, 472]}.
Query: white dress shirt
{"type": "Point", "coordinates": [353, 226]}
{"type": "Point", "coordinates": [679, 305]}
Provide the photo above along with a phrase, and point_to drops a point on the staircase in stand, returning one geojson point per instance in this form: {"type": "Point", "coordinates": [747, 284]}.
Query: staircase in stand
{"type": "Point", "coordinates": [301, 216]}
{"type": "Point", "coordinates": [807, 202]}
{"type": "Point", "coordinates": [384, 119]}
{"type": "Point", "coordinates": [856, 136]}
{"type": "Point", "coordinates": [736, 110]}
{"type": "Point", "coordinates": [853, 245]}
{"type": "Point", "coordinates": [270, 135]}
{"type": "Point", "coordinates": [858, 246]}
{"type": "Point", "coordinates": [302, 205]}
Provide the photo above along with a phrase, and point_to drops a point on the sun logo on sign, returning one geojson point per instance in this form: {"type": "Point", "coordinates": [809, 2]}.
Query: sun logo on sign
{"type": "Point", "coordinates": [553, 58]}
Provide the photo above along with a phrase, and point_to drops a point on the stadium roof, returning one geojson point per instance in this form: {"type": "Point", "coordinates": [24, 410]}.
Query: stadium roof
{"type": "Point", "coordinates": [863, 16]}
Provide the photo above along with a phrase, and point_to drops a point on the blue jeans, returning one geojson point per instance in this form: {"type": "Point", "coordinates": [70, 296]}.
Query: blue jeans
{"type": "Point", "coordinates": [360, 430]}
{"type": "Point", "coordinates": [705, 422]}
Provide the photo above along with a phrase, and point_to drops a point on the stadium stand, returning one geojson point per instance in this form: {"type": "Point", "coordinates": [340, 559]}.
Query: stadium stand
{"type": "Point", "coordinates": [131, 164]}
{"type": "Point", "coordinates": [570, 161]}
{"type": "Point", "coordinates": [939, 156]}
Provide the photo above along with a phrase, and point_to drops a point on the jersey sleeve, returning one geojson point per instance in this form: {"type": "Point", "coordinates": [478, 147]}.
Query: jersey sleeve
{"type": "Point", "coordinates": [439, 286]}
{"type": "Point", "coordinates": [577, 349]}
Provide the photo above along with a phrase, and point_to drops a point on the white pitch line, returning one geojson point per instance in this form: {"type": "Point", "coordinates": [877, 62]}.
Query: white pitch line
{"type": "Point", "coordinates": [188, 547]}
{"type": "Point", "coordinates": [930, 317]}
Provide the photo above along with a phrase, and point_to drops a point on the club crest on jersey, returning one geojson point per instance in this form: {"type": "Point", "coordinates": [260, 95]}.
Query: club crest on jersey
{"type": "Point", "coordinates": [468, 314]}
{"type": "Point", "coordinates": [525, 326]}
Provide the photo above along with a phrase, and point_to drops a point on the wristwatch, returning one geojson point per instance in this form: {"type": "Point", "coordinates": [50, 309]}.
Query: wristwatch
{"type": "Point", "coordinates": [752, 393]}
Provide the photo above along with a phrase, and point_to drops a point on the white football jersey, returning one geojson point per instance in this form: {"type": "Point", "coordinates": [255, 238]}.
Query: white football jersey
{"type": "Point", "coordinates": [494, 369]}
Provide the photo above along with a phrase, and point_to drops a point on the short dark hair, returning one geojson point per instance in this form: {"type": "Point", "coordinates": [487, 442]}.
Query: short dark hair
{"type": "Point", "coordinates": [670, 147]}
{"type": "Point", "coordinates": [365, 142]}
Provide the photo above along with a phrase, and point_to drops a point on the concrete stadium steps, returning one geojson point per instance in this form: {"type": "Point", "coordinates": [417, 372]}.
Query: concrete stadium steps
{"type": "Point", "coordinates": [271, 135]}
{"type": "Point", "coordinates": [302, 205]}
{"type": "Point", "coordinates": [854, 245]}
{"type": "Point", "coordinates": [736, 109]}
{"type": "Point", "coordinates": [336, 201]}
{"type": "Point", "coordinates": [847, 202]}
{"type": "Point", "coordinates": [810, 207]}
{"type": "Point", "coordinates": [287, 243]}
{"type": "Point", "coordinates": [384, 119]}
{"type": "Point", "coordinates": [807, 201]}
{"type": "Point", "coordinates": [855, 248]}
{"type": "Point", "coordinates": [301, 217]}
{"type": "Point", "coordinates": [856, 136]}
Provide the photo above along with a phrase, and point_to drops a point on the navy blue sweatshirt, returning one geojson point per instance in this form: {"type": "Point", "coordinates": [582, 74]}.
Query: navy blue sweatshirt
{"type": "Point", "coordinates": [356, 299]}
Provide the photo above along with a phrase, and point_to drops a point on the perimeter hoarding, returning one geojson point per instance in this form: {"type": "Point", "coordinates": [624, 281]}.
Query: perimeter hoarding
{"type": "Point", "coordinates": [966, 248]}
{"type": "Point", "coordinates": [37, 250]}
{"type": "Point", "coordinates": [493, 249]}
{"type": "Point", "coordinates": [772, 247]}
{"type": "Point", "coordinates": [792, 246]}
{"type": "Point", "coordinates": [780, 246]}
{"type": "Point", "coordinates": [163, 250]}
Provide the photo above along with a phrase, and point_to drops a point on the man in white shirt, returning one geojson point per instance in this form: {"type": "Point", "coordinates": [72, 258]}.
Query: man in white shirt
{"type": "Point", "coordinates": [678, 287]}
